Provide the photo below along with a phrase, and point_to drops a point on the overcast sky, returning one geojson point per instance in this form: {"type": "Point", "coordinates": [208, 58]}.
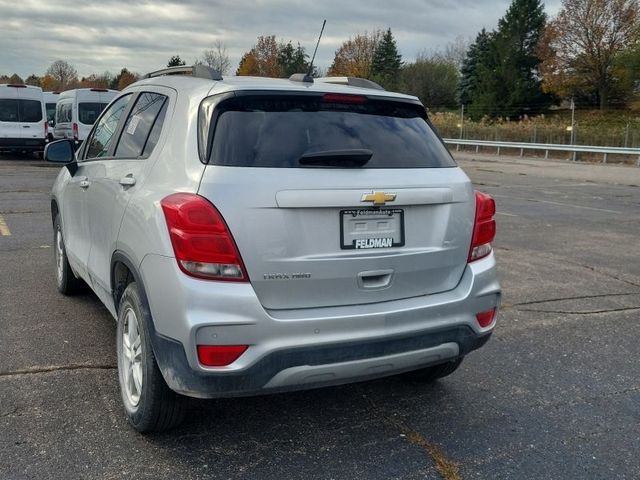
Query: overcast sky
{"type": "Point", "coordinates": [96, 36]}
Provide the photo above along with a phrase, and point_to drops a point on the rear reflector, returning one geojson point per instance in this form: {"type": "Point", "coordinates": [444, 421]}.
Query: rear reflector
{"type": "Point", "coordinates": [484, 228]}
{"type": "Point", "coordinates": [486, 318]}
{"type": "Point", "coordinates": [340, 98]}
{"type": "Point", "coordinates": [219, 355]}
{"type": "Point", "coordinates": [202, 242]}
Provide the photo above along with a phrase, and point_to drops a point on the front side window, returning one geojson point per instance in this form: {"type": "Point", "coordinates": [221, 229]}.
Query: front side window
{"type": "Point", "coordinates": [30, 111]}
{"type": "Point", "coordinates": [88, 112]}
{"type": "Point", "coordinates": [9, 110]}
{"type": "Point", "coordinates": [104, 132]}
{"type": "Point", "coordinates": [141, 120]}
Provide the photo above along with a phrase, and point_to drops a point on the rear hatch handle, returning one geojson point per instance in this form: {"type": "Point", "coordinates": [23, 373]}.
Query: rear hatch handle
{"type": "Point", "coordinates": [375, 279]}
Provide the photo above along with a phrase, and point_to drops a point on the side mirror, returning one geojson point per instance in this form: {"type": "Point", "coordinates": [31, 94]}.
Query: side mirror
{"type": "Point", "coordinates": [60, 151]}
{"type": "Point", "coordinates": [51, 123]}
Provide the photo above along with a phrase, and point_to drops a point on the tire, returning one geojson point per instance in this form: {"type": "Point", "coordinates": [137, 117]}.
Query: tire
{"type": "Point", "coordinates": [66, 280]}
{"type": "Point", "coordinates": [431, 374]}
{"type": "Point", "coordinates": [150, 405]}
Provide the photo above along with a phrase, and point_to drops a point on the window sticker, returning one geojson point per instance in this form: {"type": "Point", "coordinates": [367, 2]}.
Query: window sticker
{"type": "Point", "coordinates": [133, 124]}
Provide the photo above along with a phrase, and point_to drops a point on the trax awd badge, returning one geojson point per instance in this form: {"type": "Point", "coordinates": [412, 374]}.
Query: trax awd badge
{"type": "Point", "coordinates": [378, 198]}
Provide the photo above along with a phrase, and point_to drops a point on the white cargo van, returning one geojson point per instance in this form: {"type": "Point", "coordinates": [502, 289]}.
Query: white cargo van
{"type": "Point", "coordinates": [50, 100]}
{"type": "Point", "coordinates": [77, 110]}
{"type": "Point", "coordinates": [23, 121]}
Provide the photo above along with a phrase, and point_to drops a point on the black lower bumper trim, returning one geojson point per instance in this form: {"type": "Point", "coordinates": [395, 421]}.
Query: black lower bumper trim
{"type": "Point", "coordinates": [182, 378]}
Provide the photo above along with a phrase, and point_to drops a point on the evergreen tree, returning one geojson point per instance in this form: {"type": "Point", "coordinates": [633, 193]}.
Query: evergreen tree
{"type": "Point", "coordinates": [501, 76]}
{"type": "Point", "coordinates": [476, 54]}
{"type": "Point", "coordinates": [292, 59]}
{"type": "Point", "coordinates": [175, 61]}
{"type": "Point", "coordinates": [385, 67]}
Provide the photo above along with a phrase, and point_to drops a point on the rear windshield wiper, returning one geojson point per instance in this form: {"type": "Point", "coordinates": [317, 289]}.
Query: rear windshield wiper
{"type": "Point", "coordinates": [355, 157]}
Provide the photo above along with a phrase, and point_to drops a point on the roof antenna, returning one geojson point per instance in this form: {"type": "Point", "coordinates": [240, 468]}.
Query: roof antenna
{"type": "Point", "coordinates": [308, 77]}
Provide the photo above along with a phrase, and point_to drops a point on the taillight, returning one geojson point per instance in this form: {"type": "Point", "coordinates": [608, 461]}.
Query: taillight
{"type": "Point", "coordinates": [46, 129]}
{"type": "Point", "coordinates": [75, 130]}
{"type": "Point", "coordinates": [202, 242]}
{"type": "Point", "coordinates": [486, 318]}
{"type": "Point", "coordinates": [484, 228]}
{"type": "Point", "coordinates": [219, 355]}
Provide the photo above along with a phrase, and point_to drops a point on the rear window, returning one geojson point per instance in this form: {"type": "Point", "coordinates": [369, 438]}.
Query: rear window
{"type": "Point", "coordinates": [88, 112]}
{"type": "Point", "coordinates": [30, 111]}
{"type": "Point", "coordinates": [276, 131]}
{"type": "Point", "coordinates": [51, 111]}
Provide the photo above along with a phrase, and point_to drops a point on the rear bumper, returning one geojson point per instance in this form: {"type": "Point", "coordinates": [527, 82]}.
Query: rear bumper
{"type": "Point", "coordinates": [306, 348]}
{"type": "Point", "coordinates": [29, 144]}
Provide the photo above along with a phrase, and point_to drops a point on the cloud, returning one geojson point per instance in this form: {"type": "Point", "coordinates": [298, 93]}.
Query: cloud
{"type": "Point", "coordinates": [141, 36]}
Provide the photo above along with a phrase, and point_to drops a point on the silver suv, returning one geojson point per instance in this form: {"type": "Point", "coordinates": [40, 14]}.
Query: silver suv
{"type": "Point", "coordinates": [255, 235]}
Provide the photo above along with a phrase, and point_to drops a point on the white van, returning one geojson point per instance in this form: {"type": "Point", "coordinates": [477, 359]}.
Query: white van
{"type": "Point", "coordinates": [77, 110]}
{"type": "Point", "coordinates": [50, 100]}
{"type": "Point", "coordinates": [23, 120]}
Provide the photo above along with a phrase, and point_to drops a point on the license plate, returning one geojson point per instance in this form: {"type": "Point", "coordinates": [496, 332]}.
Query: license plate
{"type": "Point", "coordinates": [365, 228]}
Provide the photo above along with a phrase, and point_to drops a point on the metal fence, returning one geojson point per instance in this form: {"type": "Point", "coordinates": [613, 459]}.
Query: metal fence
{"type": "Point", "coordinates": [546, 148]}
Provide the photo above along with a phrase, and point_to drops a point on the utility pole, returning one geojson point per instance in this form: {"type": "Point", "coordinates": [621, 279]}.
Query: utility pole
{"type": "Point", "coordinates": [573, 126]}
{"type": "Point", "coordinates": [461, 121]}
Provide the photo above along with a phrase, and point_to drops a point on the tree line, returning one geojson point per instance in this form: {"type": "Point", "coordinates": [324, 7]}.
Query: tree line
{"type": "Point", "coordinates": [589, 52]}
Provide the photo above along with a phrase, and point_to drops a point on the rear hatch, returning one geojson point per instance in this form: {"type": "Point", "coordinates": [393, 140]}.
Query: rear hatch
{"type": "Point", "coordinates": [336, 200]}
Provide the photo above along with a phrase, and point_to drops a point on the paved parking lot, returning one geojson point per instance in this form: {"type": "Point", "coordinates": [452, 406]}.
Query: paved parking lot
{"type": "Point", "coordinates": [555, 393]}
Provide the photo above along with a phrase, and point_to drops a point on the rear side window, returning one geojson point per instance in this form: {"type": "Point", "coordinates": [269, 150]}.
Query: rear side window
{"type": "Point", "coordinates": [88, 112]}
{"type": "Point", "coordinates": [277, 131]}
{"type": "Point", "coordinates": [104, 131]}
{"type": "Point", "coordinates": [51, 111]}
{"type": "Point", "coordinates": [30, 111]}
{"type": "Point", "coordinates": [139, 125]}
{"type": "Point", "coordinates": [8, 110]}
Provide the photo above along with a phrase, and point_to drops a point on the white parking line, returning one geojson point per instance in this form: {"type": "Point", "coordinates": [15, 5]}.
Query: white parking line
{"type": "Point", "coordinates": [507, 214]}
{"type": "Point", "coordinates": [4, 228]}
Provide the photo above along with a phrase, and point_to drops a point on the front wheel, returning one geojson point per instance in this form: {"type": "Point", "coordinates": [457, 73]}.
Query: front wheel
{"type": "Point", "coordinates": [66, 280]}
{"type": "Point", "coordinates": [150, 405]}
{"type": "Point", "coordinates": [431, 374]}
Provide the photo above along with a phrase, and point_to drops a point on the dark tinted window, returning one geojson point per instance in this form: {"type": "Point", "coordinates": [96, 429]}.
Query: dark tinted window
{"type": "Point", "coordinates": [63, 113]}
{"type": "Point", "coordinates": [8, 110]}
{"type": "Point", "coordinates": [105, 129]}
{"type": "Point", "coordinates": [276, 131]}
{"type": "Point", "coordinates": [88, 112]}
{"type": "Point", "coordinates": [154, 136]}
{"type": "Point", "coordinates": [30, 111]}
{"type": "Point", "coordinates": [139, 124]}
{"type": "Point", "coordinates": [51, 111]}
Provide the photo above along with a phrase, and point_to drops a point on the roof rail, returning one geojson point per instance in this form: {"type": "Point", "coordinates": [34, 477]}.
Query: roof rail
{"type": "Point", "coordinates": [199, 71]}
{"type": "Point", "coordinates": [351, 81]}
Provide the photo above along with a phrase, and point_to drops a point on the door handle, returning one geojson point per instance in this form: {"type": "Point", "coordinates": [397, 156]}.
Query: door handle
{"type": "Point", "coordinates": [26, 126]}
{"type": "Point", "coordinates": [128, 181]}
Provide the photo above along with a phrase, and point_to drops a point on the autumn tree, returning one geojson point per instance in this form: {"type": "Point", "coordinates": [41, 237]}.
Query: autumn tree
{"type": "Point", "coordinates": [386, 62]}
{"type": "Point", "coordinates": [123, 79]}
{"type": "Point", "coordinates": [355, 56]}
{"type": "Point", "coordinates": [248, 65]}
{"type": "Point", "coordinates": [580, 46]}
{"type": "Point", "coordinates": [217, 57]}
{"type": "Point", "coordinates": [64, 75]}
{"type": "Point", "coordinates": [48, 83]}
{"type": "Point", "coordinates": [176, 61]}
{"type": "Point", "coordinates": [15, 78]}
{"type": "Point", "coordinates": [103, 80]}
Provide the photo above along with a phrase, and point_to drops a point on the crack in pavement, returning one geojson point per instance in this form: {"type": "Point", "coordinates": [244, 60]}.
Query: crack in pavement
{"type": "Point", "coordinates": [581, 297]}
{"type": "Point", "coordinates": [56, 368]}
{"type": "Point", "coordinates": [588, 312]}
{"type": "Point", "coordinates": [447, 468]}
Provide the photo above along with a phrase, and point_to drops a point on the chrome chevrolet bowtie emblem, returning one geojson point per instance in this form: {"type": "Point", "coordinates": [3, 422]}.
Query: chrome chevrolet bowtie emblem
{"type": "Point", "coordinates": [378, 198]}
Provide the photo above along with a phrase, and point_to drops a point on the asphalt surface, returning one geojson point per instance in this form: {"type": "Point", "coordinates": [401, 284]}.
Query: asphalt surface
{"type": "Point", "coordinates": [554, 394]}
